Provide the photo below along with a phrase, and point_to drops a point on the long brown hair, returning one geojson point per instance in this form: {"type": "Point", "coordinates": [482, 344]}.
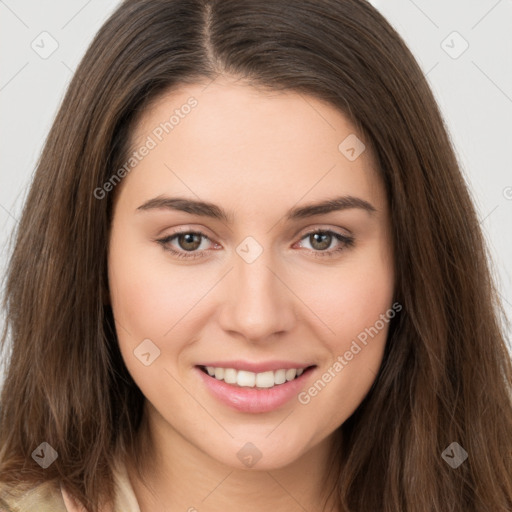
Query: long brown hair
{"type": "Point", "coordinates": [446, 375]}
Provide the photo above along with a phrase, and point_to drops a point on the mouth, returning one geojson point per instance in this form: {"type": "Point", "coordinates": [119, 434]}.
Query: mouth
{"type": "Point", "coordinates": [254, 392]}
{"type": "Point", "coordinates": [269, 379]}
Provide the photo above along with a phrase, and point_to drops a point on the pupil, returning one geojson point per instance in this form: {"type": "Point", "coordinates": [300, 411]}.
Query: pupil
{"type": "Point", "coordinates": [189, 242]}
{"type": "Point", "coordinates": [322, 245]}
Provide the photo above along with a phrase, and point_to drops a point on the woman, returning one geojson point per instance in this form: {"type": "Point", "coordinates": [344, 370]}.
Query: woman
{"type": "Point", "coordinates": [249, 275]}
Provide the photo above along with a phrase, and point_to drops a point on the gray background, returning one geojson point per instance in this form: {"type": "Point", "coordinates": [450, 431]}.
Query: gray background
{"type": "Point", "coordinates": [473, 88]}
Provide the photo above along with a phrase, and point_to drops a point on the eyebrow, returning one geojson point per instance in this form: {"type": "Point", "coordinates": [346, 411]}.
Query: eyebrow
{"type": "Point", "coordinates": [206, 209]}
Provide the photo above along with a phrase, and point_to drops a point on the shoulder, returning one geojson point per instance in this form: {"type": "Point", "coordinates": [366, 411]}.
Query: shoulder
{"type": "Point", "coordinates": [46, 497]}
{"type": "Point", "coordinates": [49, 497]}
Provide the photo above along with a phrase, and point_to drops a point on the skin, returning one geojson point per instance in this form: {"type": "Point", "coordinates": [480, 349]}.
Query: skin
{"type": "Point", "coordinates": [255, 154]}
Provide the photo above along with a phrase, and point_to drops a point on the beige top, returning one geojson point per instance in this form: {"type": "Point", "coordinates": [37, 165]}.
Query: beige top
{"type": "Point", "coordinates": [49, 498]}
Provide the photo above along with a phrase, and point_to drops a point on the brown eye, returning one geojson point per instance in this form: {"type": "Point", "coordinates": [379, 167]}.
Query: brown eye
{"type": "Point", "coordinates": [320, 241]}
{"type": "Point", "coordinates": [187, 244]}
{"type": "Point", "coordinates": [189, 241]}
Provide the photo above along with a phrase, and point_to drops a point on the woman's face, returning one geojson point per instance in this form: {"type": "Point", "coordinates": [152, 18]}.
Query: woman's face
{"type": "Point", "coordinates": [275, 278]}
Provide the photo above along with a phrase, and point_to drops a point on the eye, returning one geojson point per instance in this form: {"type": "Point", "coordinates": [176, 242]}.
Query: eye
{"type": "Point", "coordinates": [321, 240]}
{"type": "Point", "coordinates": [189, 244]}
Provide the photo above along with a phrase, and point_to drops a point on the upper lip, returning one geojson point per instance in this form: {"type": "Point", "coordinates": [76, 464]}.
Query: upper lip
{"type": "Point", "coordinates": [257, 367]}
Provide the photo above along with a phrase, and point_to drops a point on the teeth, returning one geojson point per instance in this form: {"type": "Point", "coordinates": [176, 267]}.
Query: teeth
{"type": "Point", "coordinates": [280, 376]}
{"type": "Point", "coordinates": [265, 380]}
{"type": "Point", "coordinates": [250, 379]}
{"type": "Point", "coordinates": [246, 379]}
{"type": "Point", "coordinates": [229, 376]}
{"type": "Point", "coordinates": [290, 374]}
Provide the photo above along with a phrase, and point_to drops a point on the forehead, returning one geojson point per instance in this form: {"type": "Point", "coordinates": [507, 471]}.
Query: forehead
{"type": "Point", "coordinates": [224, 137]}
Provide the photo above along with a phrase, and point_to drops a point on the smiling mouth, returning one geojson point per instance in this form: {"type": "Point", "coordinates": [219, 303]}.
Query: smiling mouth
{"type": "Point", "coordinates": [246, 379]}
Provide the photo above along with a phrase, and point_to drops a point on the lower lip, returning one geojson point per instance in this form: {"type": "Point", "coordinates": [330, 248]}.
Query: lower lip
{"type": "Point", "coordinates": [254, 400]}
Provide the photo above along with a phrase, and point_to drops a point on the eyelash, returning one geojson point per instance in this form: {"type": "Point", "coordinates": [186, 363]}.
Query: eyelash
{"type": "Point", "coordinates": [347, 241]}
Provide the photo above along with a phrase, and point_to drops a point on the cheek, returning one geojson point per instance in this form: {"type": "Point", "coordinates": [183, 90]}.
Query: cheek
{"type": "Point", "coordinates": [356, 304]}
{"type": "Point", "coordinates": [146, 305]}
{"type": "Point", "coordinates": [144, 294]}
{"type": "Point", "coordinates": [351, 297]}
{"type": "Point", "coordinates": [139, 299]}
{"type": "Point", "coordinates": [152, 300]}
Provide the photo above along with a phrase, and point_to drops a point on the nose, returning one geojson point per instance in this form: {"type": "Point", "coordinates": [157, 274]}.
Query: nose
{"type": "Point", "coordinates": [256, 300]}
